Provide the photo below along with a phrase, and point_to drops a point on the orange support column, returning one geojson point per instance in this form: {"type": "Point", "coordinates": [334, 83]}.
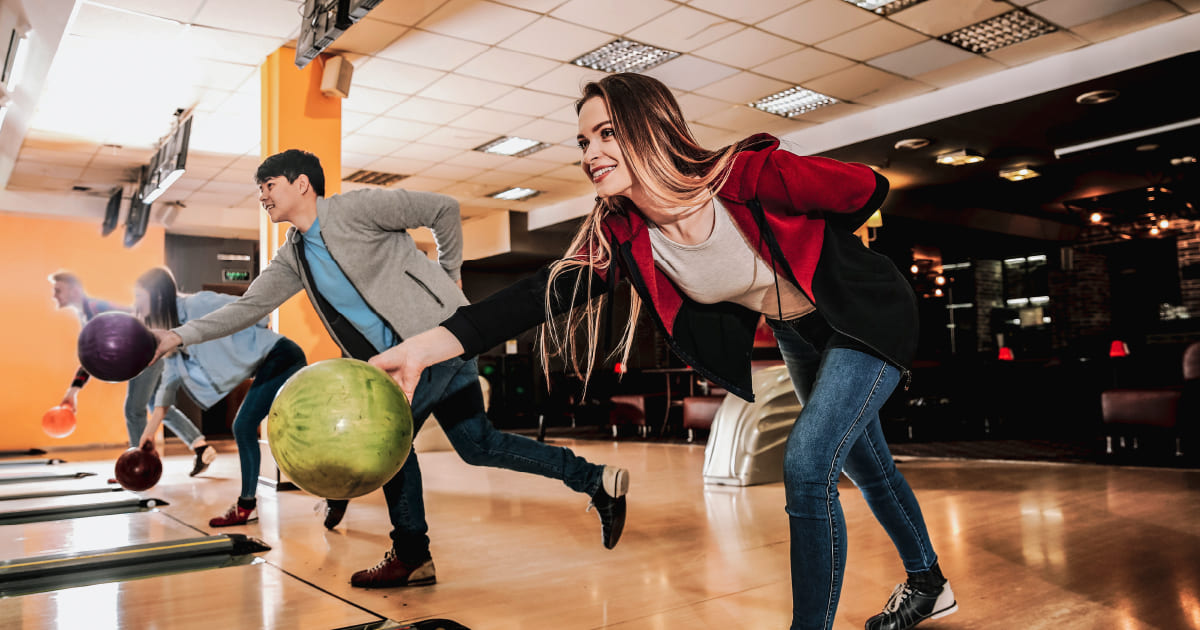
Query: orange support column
{"type": "Point", "coordinates": [296, 115]}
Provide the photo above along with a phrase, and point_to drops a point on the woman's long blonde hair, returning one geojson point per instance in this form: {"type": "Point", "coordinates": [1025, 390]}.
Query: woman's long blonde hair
{"type": "Point", "coordinates": [673, 170]}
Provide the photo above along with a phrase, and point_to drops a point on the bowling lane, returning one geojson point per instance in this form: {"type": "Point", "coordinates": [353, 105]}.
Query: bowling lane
{"type": "Point", "coordinates": [87, 485]}
{"type": "Point", "coordinates": [74, 506]}
{"type": "Point", "coordinates": [89, 534]}
{"type": "Point", "coordinates": [256, 595]}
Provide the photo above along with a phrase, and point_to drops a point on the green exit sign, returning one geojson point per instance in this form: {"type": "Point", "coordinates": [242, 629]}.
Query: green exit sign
{"type": "Point", "coordinates": [232, 275]}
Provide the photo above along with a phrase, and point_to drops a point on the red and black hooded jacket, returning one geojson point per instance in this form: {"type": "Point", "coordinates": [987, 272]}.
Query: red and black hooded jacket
{"type": "Point", "coordinates": [800, 212]}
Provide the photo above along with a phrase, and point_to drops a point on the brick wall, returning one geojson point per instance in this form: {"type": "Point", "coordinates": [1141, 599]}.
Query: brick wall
{"type": "Point", "coordinates": [989, 294]}
{"type": "Point", "coordinates": [1080, 297]}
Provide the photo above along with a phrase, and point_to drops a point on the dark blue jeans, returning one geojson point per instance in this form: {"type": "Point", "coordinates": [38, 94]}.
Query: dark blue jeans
{"type": "Point", "coordinates": [285, 359]}
{"type": "Point", "coordinates": [450, 390]}
{"type": "Point", "coordinates": [842, 389]}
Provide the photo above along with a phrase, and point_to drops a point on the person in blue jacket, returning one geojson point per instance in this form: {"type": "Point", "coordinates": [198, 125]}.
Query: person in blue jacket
{"type": "Point", "coordinates": [210, 370]}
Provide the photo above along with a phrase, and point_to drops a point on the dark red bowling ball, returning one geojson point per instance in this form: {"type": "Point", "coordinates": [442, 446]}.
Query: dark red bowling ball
{"type": "Point", "coordinates": [115, 346]}
{"type": "Point", "coordinates": [139, 468]}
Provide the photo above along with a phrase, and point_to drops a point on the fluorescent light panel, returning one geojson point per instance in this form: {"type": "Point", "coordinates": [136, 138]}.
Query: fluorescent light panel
{"type": "Point", "coordinates": [884, 7]}
{"type": "Point", "coordinates": [516, 194]}
{"type": "Point", "coordinates": [1075, 148]}
{"type": "Point", "coordinates": [793, 102]}
{"type": "Point", "coordinates": [512, 146]}
{"type": "Point", "coordinates": [995, 33]}
{"type": "Point", "coordinates": [625, 55]}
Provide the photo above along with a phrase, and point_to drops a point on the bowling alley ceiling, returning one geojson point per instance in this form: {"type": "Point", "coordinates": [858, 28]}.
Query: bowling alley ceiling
{"type": "Point", "coordinates": [435, 79]}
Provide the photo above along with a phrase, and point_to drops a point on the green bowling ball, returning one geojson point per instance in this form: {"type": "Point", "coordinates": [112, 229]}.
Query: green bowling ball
{"type": "Point", "coordinates": [340, 428]}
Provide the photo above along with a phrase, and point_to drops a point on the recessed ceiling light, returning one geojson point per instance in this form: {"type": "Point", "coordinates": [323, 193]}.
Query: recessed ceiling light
{"type": "Point", "coordinates": [1018, 174]}
{"type": "Point", "coordinates": [513, 146]}
{"type": "Point", "coordinates": [792, 102]}
{"type": "Point", "coordinates": [1180, 161]}
{"type": "Point", "coordinates": [960, 157]}
{"type": "Point", "coordinates": [1003, 30]}
{"type": "Point", "coordinates": [884, 7]}
{"type": "Point", "coordinates": [1095, 97]}
{"type": "Point", "coordinates": [911, 143]}
{"type": "Point", "coordinates": [515, 194]}
{"type": "Point", "coordinates": [625, 55]}
{"type": "Point", "coordinates": [1146, 147]}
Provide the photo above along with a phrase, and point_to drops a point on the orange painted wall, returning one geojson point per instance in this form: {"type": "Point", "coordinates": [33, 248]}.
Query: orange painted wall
{"type": "Point", "coordinates": [295, 115]}
{"type": "Point", "coordinates": [37, 342]}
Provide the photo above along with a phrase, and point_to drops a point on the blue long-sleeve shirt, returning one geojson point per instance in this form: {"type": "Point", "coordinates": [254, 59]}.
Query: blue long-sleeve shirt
{"type": "Point", "coordinates": [212, 369]}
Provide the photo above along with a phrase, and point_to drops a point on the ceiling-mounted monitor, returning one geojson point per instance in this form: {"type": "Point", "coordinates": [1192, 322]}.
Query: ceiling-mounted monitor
{"type": "Point", "coordinates": [112, 212]}
{"type": "Point", "coordinates": [168, 162]}
{"type": "Point", "coordinates": [139, 215]}
{"type": "Point", "coordinates": [321, 22]}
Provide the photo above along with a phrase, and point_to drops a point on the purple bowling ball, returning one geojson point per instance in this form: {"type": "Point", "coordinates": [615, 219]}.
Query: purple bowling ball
{"type": "Point", "coordinates": [115, 346]}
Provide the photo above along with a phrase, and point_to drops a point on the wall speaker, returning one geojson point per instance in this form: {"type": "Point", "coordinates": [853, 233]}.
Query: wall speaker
{"type": "Point", "coordinates": [335, 79]}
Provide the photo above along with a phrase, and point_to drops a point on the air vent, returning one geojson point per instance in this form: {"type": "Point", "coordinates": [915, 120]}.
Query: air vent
{"type": "Point", "coordinates": [375, 178]}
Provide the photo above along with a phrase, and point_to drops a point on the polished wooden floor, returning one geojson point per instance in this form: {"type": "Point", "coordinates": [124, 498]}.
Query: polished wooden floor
{"type": "Point", "coordinates": [1026, 546]}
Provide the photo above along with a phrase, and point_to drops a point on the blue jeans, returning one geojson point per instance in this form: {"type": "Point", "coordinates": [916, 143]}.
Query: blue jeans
{"type": "Point", "coordinates": [139, 397]}
{"type": "Point", "coordinates": [451, 391]}
{"type": "Point", "coordinates": [285, 359]}
{"type": "Point", "coordinates": [838, 431]}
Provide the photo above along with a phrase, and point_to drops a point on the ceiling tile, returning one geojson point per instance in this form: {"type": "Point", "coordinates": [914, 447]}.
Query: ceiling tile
{"type": "Point", "coordinates": [740, 118]}
{"type": "Point", "coordinates": [684, 30]}
{"type": "Point", "coordinates": [556, 39]}
{"type": "Point", "coordinates": [962, 71]}
{"type": "Point", "coordinates": [456, 138]}
{"type": "Point", "coordinates": [186, 185]}
{"type": "Point", "coordinates": [223, 75]}
{"type": "Point", "coordinates": [922, 58]}
{"type": "Point", "coordinates": [426, 184]}
{"type": "Point", "coordinates": [351, 121]}
{"type": "Point", "coordinates": [565, 115]}
{"type": "Point", "coordinates": [894, 92]}
{"type": "Point", "coordinates": [275, 18]}
{"type": "Point", "coordinates": [938, 17]}
{"type": "Point", "coordinates": [247, 163]}
{"type": "Point", "coordinates": [79, 158]}
{"type": "Point", "coordinates": [98, 22]}
{"type": "Point", "coordinates": [407, 12]}
{"type": "Point", "coordinates": [477, 20]}
{"type": "Point", "coordinates": [1128, 21]}
{"type": "Point", "coordinates": [477, 160]}
{"type": "Point", "coordinates": [234, 174]}
{"type": "Point", "coordinates": [179, 10]}
{"type": "Point", "coordinates": [368, 145]}
{"type": "Point", "coordinates": [464, 90]}
{"type": "Point", "coordinates": [219, 200]}
{"type": "Point", "coordinates": [527, 166]}
{"type": "Point", "coordinates": [559, 154]}
{"type": "Point", "coordinates": [209, 43]}
{"type": "Point", "coordinates": [422, 151]}
{"type": "Point", "coordinates": [1192, 6]}
{"type": "Point", "coordinates": [496, 122]}
{"type": "Point", "coordinates": [202, 173]}
{"type": "Point", "coordinates": [396, 129]}
{"type": "Point", "coordinates": [689, 73]}
{"type": "Point", "coordinates": [427, 110]}
{"type": "Point", "coordinates": [872, 40]}
{"type": "Point", "coordinates": [524, 101]}
{"type": "Point", "coordinates": [743, 11]}
{"type": "Point", "coordinates": [614, 16]}
{"type": "Point", "coordinates": [743, 87]}
{"type": "Point", "coordinates": [803, 65]}
{"type": "Point", "coordinates": [498, 179]}
{"type": "Point", "coordinates": [1069, 13]}
{"type": "Point", "coordinates": [393, 76]}
{"type": "Point", "coordinates": [747, 48]}
{"type": "Point", "coordinates": [202, 158]}
{"type": "Point", "coordinates": [506, 66]}
{"type": "Point", "coordinates": [450, 171]}
{"type": "Point", "coordinates": [696, 107]}
{"type": "Point", "coordinates": [48, 169]}
{"type": "Point", "coordinates": [399, 166]}
{"type": "Point", "coordinates": [469, 190]}
{"type": "Point", "coordinates": [367, 37]}
{"type": "Point", "coordinates": [568, 173]}
{"type": "Point", "coordinates": [537, 6]}
{"type": "Point", "coordinates": [566, 80]}
{"type": "Point", "coordinates": [431, 50]}
{"type": "Point", "coordinates": [239, 188]}
{"type": "Point", "coordinates": [818, 20]}
{"type": "Point", "coordinates": [368, 101]}
{"type": "Point", "coordinates": [852, 82]}
{"type": "Point", "coordinates": [1037, 48]}
{"type": "Point", "coordinates": [355, 161]}
{"type": "Point", "coordinates": [547, 131]}
{"type": "Point", "coordinates": [832, 112]}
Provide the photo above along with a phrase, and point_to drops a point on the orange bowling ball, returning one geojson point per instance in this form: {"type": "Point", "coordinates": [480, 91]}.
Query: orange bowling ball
{"type": "Point", "coordinates": [59, 422]}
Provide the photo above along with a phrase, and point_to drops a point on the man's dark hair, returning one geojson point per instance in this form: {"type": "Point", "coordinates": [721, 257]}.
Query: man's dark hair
{"type": "Point", "coordinates": [292, 164]}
